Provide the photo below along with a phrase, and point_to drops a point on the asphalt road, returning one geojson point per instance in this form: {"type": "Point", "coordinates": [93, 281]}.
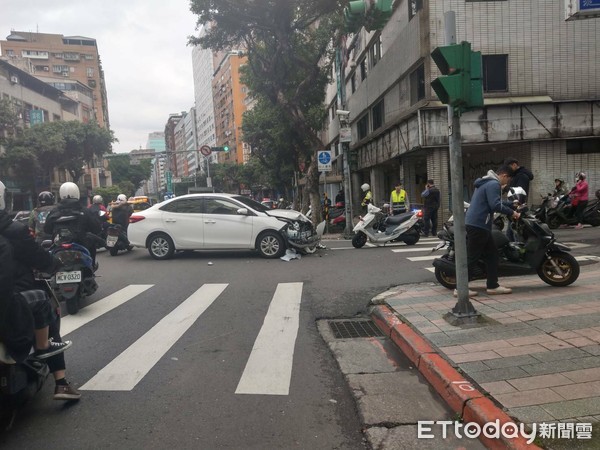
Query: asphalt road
{"type": "Point", "coordinates": [190, 383]}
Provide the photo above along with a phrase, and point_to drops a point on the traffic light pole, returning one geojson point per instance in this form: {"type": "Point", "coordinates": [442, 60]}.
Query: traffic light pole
{"type": "Point", "coordinates": [463, 308]}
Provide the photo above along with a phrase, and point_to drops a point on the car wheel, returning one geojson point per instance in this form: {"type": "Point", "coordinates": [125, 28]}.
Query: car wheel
{"type": "Point", "coordinates": [270, 244]}
{"type": "Point", "coordinates": [160, 246]}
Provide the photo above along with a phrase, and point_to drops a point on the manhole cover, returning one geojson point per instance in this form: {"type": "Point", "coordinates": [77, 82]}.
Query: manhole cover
{"type": "Point", "coordinates": [345, 329]}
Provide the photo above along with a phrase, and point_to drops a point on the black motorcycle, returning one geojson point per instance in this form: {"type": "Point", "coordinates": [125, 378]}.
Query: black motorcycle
{"type": "Point", "coordinates": [537, 249]}
{"type": "Point", "coordinates": [563, 213]}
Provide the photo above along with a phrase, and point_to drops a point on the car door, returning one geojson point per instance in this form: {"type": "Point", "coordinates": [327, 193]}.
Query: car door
{"type": "Point", "coordinates": [224, 227]}
{"type": "Point", "coordinates": [182, 220]}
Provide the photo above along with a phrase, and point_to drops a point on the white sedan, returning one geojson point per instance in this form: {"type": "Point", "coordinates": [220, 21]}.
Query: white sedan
{"type": "Point", "coordinates": [220, 222]}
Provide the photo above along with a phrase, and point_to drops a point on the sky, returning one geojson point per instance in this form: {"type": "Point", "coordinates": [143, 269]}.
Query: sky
{"type": "Point", "coordinates": [143, 48]}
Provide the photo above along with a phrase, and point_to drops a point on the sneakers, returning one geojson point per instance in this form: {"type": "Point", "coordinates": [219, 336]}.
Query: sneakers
{"type": "Point", "coordinates": [499, 290]}
{"type": "Point", "coordinates": [471, 293]}
{"type": "Point", "coordinates": [564, 225]}
{"type": "Point", "coordinates": [66, 392]}
{"type": "Point", "coordinates": [579, 226]}
{"type": "Point", "coordinates": [53, 349]}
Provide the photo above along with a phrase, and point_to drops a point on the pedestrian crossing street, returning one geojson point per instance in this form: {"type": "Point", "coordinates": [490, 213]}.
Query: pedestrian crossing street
{"type": "Point", "coordinates": [269, 366]}
{"type": "Point", "coordinates": [422, 252]}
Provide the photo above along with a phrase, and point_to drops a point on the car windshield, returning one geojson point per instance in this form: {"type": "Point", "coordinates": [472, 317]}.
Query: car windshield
{"type": "Point", "coordinates": [251, 203]}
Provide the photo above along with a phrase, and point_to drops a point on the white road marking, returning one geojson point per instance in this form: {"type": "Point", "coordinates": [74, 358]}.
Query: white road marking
{"type": "Point", "coordinates": [125, 371]}
{"type": "Point", "coordinates": [431, 269]}
{"type": "Point", "coordinates": [70, 323]}
{"type": "Point", "coordinates": [574, 245]}
{"type": "Point", "coordinates": [423, 258]}
{"type": "Point", "coordinates": [411, 249]}
{"type": "Point", "coordinates": [269, 367]}
{"type": "Point", "coordinates": [587, 258]}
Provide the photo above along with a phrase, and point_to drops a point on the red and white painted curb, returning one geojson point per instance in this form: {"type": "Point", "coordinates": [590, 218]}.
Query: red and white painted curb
{"type": "Point", "coordinates": [460, 395]}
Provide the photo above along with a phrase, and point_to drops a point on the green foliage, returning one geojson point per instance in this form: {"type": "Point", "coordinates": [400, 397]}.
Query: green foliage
{"type": "Point", "coordinates": [9, 122]}
{"type": "Point", "coordinates": [66, 145]}
{"type": "Point", "coordinates": [109, 194]}
{"type": "Point", "coordinates": [122, 171]}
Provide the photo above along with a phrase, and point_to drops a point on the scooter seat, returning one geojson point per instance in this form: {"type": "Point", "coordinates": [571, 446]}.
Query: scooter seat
{"type": "Point", "coordinates": [395, 220]}
{"type": "Point", "coordinates": [5, 357]}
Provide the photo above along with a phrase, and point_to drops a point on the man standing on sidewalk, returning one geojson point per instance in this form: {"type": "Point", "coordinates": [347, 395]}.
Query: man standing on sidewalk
{"type": "Point", "coordinates": [431, 204]}
{"type": "Point", "coordinates": [478, 220]}
{"type": "Point", "coordinates": [521, 178]}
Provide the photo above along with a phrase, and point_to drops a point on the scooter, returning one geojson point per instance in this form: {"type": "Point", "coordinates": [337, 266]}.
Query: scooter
{"type": "Point", "coordinates": [20, 381]}
{"type": "Point", "coordinates": [379, 229]}
{"type": "Point", "coordinates": [562, 214]}
{"type": "Point", "coordinates": [537, 249]}
{"type": "Point", "coordinates": [116, 239]}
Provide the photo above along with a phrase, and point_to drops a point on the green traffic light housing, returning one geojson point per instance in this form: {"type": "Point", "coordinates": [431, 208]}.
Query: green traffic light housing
{"type": "Point", "coordinates": [226, 148]}
{"type": "Point", "coordinates": [378, 14]}
{"type": "Point", "coordinates": [354, 15]}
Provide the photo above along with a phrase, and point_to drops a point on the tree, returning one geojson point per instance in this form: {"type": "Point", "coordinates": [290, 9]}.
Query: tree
{"type": "Point", "coordinates": [289, 49]}
{"type": "Point", "coordinates": [68, 145]}
{"type": "Point", "coordinates": [122, 171]}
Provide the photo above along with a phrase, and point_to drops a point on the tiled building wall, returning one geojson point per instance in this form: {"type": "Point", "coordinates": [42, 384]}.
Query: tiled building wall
{"type": "Point", "coordinates": [547, 56]}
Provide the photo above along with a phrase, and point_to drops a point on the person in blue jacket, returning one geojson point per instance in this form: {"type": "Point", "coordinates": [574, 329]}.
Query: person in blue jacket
{"type": "Point", "coordinates": [487, 199]}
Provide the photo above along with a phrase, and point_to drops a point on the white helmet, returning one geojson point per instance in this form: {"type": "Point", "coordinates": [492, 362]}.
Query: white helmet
{"type": "Point", "coordinates": [365, 187]}
{"type": "Point", "coordinates": [97, 199]}
{"type": "Point", "coordinates": [517, 194]}
{"type": "Point", "coordinates": [68, 190]}
{"type": "Point", "coordinates": [2, 190]}
{"type": "Point", "coordinates": [121, 198]}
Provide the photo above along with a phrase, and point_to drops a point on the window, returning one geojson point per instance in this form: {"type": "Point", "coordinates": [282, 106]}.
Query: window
{"type": "Point", "coordinates": [353, 82]}
{"type": "Point", "coordinates": [220, 206]}
{"type": "Point", "coordinates": [414, 6]}
{"type": "Point", "coordinates": [90, 72]}
{"type": "Point", "coordinates": [417, 84]}
{"type": "Point", "coordinates": [377, 115]}
{"type": "Point", "coordinates": [579, 146]}
{"type": "Point", "coordinates": [375, 51]}
{"type": "Point", "coordinates": [60, 69]}
{"type": "Point", "coordinates": [362, 127]}
{"type": "Point", "coordinates": [495, 73]}
{"type": "Point", "coordinates": [363, 69]}
{"type": "Point", "coordinates": [187, 205]}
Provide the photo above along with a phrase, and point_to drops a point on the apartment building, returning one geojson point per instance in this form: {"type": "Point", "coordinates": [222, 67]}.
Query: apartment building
{"type": "Point", "coordinates": [64, 57]}
{"type": "Point", "coordinates": [541, 91]}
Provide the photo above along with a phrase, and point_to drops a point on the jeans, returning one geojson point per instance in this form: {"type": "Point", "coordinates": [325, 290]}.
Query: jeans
{"type": "Point", "coordinates": [480, 245]}
{"type": "Point", "coordinates": [430, 218]}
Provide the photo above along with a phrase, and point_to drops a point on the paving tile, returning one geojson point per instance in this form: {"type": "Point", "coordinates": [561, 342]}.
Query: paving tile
{"type": "Point", "coordinates": [498, 387]}
{"type": "Point", "coordinates": [574, 408]}
{"type": "Point", "coordinates": [565, 334]}
{"type": "Point", "coordinates": [560, 355]}
{"type": "Point", "coordinates": [561, 365]}
{"type": "Point", "coordinates": [505, 373]}
{"type": "Point", "coordinates": [474, 356]}
{"type": "Point", "coordinates": [591, 349]}
{"type": "Point", "coordinates": [528, 398]}
{"type": "Point", "coordinates": [579, 390]}
{"type": "Point", "coordinates": [580, 342]}
{"type": "Point", "coordinates": [521, 350]}
{"type": "Point", "coordinates": [530, 414]}
{"type": "Point", "coordinates": [540, 381]}
{"type": "Point", "coordinates": [583, 375]}
{"type": "Point", "coordinates": [453, 350]}
{"type": "Point", "coordinates": [489, 345]}
{"type": "Point", "coordinates": [474, 366]}
{"type": "Point", "coordinates": [510, 361]}
{"type": "Point", "coordinates": [528, 340]}
{"type": "Point", "coordinates": [555, 345]}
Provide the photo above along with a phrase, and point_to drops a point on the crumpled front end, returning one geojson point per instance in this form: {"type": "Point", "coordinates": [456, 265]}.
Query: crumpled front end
{"type": "Point", "coordinates": [302, 234]}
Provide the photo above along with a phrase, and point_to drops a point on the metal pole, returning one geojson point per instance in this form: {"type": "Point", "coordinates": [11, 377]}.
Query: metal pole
{"type": "Point", "coordinates": [347, 190]}
{"type": "Point", "coordinates": [463, 307]}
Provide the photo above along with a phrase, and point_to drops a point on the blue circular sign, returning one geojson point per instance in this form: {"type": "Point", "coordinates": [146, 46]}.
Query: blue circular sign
{"type": "Point", "coordinates": [324, 157]}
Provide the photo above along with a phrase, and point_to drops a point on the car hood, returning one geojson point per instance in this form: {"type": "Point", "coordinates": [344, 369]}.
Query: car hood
{"type": "Point", "coordinates": [288, 214]}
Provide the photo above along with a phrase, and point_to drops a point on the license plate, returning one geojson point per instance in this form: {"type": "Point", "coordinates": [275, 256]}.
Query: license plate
{"type": "Point", "coordinates": [111, 241]}
{"type": "Point", "coordinates": [68, 277]}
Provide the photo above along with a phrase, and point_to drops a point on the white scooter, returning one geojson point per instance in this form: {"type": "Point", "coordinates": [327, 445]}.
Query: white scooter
{"type": "Point", "coordinates": [379, 229]}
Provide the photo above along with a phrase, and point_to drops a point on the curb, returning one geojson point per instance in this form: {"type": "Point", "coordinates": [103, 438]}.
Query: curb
{"type": "Point", "coordinates": [460, 395]}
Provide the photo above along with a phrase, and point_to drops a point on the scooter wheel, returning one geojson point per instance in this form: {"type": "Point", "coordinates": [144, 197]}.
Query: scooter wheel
{"type": "Point", "coordinates": [561, 269]}
{"type": "Point", "coordinates": [359, 240]}
{"type": "Point", "coordinates": [411, 238]}
{"type": "Point", "coordinates": [553, 222]}
{"type": "Point", "coordinates": [445, 279]}
{"type": "Point", "coordinates": [73, 305]}
{"type": "Point", "coordinates": [113, 251]}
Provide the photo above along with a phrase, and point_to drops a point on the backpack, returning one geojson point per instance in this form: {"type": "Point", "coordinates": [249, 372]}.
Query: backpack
{"type": "Point", "coordinates": [69, 227]}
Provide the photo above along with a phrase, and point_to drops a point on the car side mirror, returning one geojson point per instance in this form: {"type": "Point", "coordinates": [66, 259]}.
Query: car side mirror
{"type": "Point", "coordinates": [242, 211]}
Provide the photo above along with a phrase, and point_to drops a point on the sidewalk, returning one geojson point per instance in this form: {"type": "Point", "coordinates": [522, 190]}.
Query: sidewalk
{"type": "Point", "coordinates": [537, 356]}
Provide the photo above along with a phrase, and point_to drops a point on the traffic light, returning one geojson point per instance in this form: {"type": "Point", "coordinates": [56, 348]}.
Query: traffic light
{"type": "Point", "coordinates": [224, 148]}
{"type": "Point", "coordinates": [378, 15]}
{"type": "Point", "coordinates": [460, 85]}
{"type": "Point", "coordinates": [354, 15]}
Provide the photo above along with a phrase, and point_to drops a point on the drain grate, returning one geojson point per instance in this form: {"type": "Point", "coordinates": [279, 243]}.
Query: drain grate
{"type": "Point", "coordinates": [345, 329]}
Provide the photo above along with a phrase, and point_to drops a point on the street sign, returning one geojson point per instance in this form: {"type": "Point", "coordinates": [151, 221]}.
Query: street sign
{"type": "Point", "coordinates": [36, 116]}
{"type": "Point", "coordinates": [582, 9]}
{"type": "Point", "coordinates": [345, 134]}
{"type": "Point", "coordinates": [205, 150]}
{"type": "Point", "coordinates": [324, 163]}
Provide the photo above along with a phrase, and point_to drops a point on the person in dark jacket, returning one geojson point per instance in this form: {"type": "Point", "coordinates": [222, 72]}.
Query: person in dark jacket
{"type": "Point", "coordinates": [86, 221]}
{"type": "Point", "coordinates": [121, 212]}
{"type": "Point", "coordinates": [479, 219]}
{"type": "Point", "coordinates": [22, 309]}
{"type": "Point", "coordinates": [37, 219]}
{"type": "Point", "coordinates": [521, 178]}
{"type": "Point", "coordinates": [431, 204]}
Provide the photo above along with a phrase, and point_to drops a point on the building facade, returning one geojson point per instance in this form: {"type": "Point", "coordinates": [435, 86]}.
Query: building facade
{"type": "Point", "coordinates": [541, 79]}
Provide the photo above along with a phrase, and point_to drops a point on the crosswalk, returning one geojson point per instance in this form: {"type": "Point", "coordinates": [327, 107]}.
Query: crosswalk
{"type": "Point", "coordinates": [269, 366]}
{"type": "Point", "coordinates": [422, 252]}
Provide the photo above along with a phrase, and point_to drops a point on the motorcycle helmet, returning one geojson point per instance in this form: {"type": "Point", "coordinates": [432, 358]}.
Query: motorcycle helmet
{"type": "Point", "coordinates": [46, 198]}
{"type": "Point", "coordinates": [121, 198]}
{"type": "Point", "coordinates": [97, 199]}
{"type": "Point", "coordinates": [68, 190]}
{"type": "Point", "coordinates": [581, 176]}
{"type": "Point", "coordinates": [2, 190]}
{"type": "Point", "coordinates": [517, 194]}
{"type": "Point", "coordinates": [365, 187]}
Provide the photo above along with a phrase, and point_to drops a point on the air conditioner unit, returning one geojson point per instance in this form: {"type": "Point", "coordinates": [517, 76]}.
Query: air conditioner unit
{"type": "Point", "coordinates": [46, 69]}
{"type": "Point", "coordinates": [14, 79]}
